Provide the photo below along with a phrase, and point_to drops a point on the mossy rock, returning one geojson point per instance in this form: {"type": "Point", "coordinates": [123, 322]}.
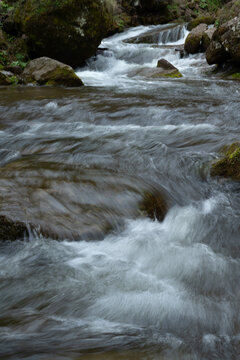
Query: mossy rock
{"type": "Point", "coordinates": [168, 69]}
{"type": "Point", "coordinates": [164, 69]}
{"type": "Point", "coordinates": [201, 20]}
{"type": "Point", "coordinates": [194, 39]}
{"type": "Point", "coordinates": [229, 166]}
{"type": "Point", "coordinates": [46, 71]}
{"type": "Point", "coordinates": [7, 78]}
{"type": "Point", "coordinates": [66, 30]}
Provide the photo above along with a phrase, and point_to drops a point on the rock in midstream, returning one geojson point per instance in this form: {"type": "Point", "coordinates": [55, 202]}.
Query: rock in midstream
{"type": "Point", "coordinates": [229, 165]}
{"type": "Point", "coordinates": [193, 41]}
{"type": "Point", "coordinates": [11, 230]}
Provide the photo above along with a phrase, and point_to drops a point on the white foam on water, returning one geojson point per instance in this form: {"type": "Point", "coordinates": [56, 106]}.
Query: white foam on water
{"type": "Point", "coordinates": [52, 105]}
{"type": "Point", "coordinates": [113, 66]}
{"type": "Point", "coordinates": [142, 276]}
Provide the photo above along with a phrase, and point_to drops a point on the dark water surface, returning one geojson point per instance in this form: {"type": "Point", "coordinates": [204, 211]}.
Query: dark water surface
{"type": "Point", "coordinates": [104, 282]}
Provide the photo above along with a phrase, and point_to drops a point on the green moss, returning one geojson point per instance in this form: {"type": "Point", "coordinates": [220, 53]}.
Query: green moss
{"type": "Point", "coordinates": [67, 30]}
{"type": "Point", "coordinates": [201, 20]}
{"type": "Point", "coordinates": [235, 76]}
{"type": "Point", "coordinates": [177, 74]}
{"type": "Point", "coordinates": [192, 43]}
{"type": "Point", "coordinates": [3, 57]}
{"type": "Point", "coordinates": [14, 80]}
{"type": "Point", "coordinates": [229, 166]}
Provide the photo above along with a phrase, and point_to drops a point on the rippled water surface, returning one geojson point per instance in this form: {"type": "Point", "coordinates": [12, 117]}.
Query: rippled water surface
{"type": "Point", "coordinates": [97, 279]}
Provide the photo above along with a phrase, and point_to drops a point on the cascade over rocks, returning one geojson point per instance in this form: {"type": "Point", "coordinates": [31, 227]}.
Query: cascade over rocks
{"type": "Point", "coordinates": [167, 33]}
{"type": "Point", "coordinates": [225, 44]}
{"type": "Point", "coordinates": [66, 30]}
{"type": "Point", "coordinates": [46, 71]}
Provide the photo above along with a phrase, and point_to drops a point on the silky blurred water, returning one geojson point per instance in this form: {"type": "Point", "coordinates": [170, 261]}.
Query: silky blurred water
{"type": "Point", "coordinates": [97, 279]}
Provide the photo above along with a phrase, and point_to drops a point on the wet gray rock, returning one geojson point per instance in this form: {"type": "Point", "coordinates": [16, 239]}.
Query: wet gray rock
{"type": "Point", "coordinates": [11, 230]}
{"type": "Point", "coordinates": [46, 71]}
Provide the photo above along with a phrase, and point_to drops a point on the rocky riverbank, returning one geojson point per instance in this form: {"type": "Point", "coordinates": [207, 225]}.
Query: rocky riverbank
{"type": "Point", "coordinates": [71, 31]}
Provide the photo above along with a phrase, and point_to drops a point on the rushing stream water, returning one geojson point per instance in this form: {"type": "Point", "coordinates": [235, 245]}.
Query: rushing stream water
{"type": "Point", "coordinates": [108, 284]}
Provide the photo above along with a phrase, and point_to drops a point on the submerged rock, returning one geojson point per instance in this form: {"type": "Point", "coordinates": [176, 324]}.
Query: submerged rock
{"type": "Point", "coordinates": [12, 230]}
{"type": "Point", "coordinates": [153, 206]}
{"type": "Point", "coordinates": [194, 39]}
{"type": "Point", "coordinates": [46, 71]}
{"type": "Point", "coordinates": [229, 166]}
{"type": "Point", "coordinates": [67, 30]}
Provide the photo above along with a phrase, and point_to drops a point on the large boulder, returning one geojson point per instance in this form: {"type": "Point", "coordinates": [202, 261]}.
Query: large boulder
{"type": "Point", "coordinates": [67, 30]}
{"type": "Point", "coordinates": [225, 44]}
{"type": "Point", "coordinates": [194, 39]}
{"type": "Point", "coordinates": [229, 165]}
{"type": "Point", "coordinates": [46, 71]}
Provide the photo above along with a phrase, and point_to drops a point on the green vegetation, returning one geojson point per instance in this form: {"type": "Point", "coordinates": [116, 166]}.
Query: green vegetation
{"type": "Point", "coordinates": [210, 5]}
{"type": "Point", "coordinates": [19, 61]}
{"type": "Point", "coordinates": [14, 80]}
{"type": "Point", "coordinates": [5, 7]}
{"type": "Point", "coordinates": [201, 20]}
{"type": "Point", "coordinates": [3, 57]}
{"type": "Point", "coordinates": [235, 76]}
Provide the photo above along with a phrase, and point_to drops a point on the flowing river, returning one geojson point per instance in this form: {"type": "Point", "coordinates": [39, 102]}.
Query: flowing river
{"type": "Point", "coordinates": [97, 279]}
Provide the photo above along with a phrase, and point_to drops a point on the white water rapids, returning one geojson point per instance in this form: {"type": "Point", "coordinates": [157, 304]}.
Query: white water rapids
{"type": "Point", "coordinates": [112, 68]}
{"type": "Point", "coordinates": [76, 160]}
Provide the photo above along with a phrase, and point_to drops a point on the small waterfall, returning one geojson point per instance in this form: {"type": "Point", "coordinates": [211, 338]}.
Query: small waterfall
{"type": "Point", "coordinates": [172, 35]}
{"type": "Point", "coordinates": [124, 54]}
